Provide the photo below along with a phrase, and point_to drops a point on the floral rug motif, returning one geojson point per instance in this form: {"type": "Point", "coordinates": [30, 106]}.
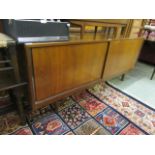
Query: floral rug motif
{"type": "Point", "coordinates": [89, 103]}
{"type": "Point", "coordinates": [111, 120]}
{"type": "Point", "coordinates": [50, 125]}
{"type": "Point", "coordinates": [74, 116]}
{"type": "Point", "coordinates": [9, 123]}
{"type": "Point", "coordinates": [131, 130]}
{"type": "Point", "coordinates": [91, 127]}
{"type": "Point", "coordinates": [136, 112]}
{"type": "Point", "coordinates": [23, 131]}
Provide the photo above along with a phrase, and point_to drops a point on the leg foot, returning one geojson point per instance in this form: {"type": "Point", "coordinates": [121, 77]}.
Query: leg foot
{"type": "Point", "coordinates": [122, 77]}
{"type": "Point", "coordinates": [152, 74]}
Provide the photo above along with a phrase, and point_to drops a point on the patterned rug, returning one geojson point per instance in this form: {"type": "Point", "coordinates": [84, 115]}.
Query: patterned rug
{"type": "Point", "coordinates": [101, 110]}
{"type": "Point", "coordinates": [48, 125]}
{"type": "Point", "coordinates": [141, 115]}
{"type": "Point", "coordinates": [10, 123]}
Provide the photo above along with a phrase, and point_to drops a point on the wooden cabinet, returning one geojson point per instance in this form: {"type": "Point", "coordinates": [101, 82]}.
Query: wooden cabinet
{"type": "Point", "coordinates": [122, 56]}
{"type": "Point", "coordinates": [57, 70]}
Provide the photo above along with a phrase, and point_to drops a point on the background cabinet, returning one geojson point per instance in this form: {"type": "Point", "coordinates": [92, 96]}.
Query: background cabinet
{"type": "Point", "coordinates": [122, 56]}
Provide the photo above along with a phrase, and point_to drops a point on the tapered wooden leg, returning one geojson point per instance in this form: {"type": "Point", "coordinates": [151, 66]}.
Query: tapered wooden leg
{"type": "Point", "coordinates": [95, 33]}
{"type": "Point", "coordinates": [82, 31]}
{"type": "Point", "coordinates": [122, 77]}
{"type": "Point", "coordinates": [153, 74]}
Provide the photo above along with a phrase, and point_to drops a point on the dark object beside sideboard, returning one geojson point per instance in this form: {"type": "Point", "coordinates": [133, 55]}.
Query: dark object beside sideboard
{"type": "Point", "coordinates": [147, 53]}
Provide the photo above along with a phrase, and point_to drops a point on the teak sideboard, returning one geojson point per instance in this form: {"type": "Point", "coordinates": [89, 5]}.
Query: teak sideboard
{"type": "Point", "coordinates": [58, 69]}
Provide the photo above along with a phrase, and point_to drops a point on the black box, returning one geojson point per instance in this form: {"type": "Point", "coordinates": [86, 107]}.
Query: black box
{"type": "Point", "coordinates": [26, 31]}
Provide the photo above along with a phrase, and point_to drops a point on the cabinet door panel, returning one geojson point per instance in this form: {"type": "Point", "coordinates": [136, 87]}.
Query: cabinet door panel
{"type": "Point", "coordinates": [122, 56]}
{"type": "Point", "coordinates": [60, 68]}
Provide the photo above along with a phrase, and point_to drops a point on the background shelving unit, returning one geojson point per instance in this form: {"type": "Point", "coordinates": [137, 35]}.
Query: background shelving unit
{"type": "Point", "coordinates": [10, 80]}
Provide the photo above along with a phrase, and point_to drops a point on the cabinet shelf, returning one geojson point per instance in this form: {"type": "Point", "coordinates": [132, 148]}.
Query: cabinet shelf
{"type": "Point", "coordinates": [4, 61]}
{"type": "Point", "coordinates": [10, 84]}
{"type": "Point", "coordinates": [6, 68]}
{"type": "Point", "coordinates": [8, 108]}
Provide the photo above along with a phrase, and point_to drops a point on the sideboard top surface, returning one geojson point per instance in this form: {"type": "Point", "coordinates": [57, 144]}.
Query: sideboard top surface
{"type": "Point", "coordinates": [76, 40]}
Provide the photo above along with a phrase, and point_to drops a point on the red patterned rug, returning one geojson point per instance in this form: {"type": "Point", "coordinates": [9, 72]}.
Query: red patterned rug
{"type": "Point", "coordinates": [101, 110]}
{"type": "Point", "coordinates": [141, 115]}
